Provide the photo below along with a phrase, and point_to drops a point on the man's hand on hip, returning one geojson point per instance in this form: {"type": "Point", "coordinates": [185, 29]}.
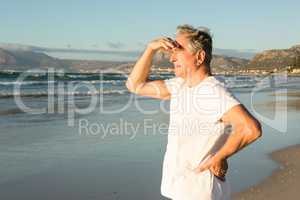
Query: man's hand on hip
{"type": "Point", "coordinates": [216, 165]}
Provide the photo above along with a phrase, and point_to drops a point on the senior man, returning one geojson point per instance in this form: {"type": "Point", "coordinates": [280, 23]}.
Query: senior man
{"type": "Point", "coordinates": [201, 108]}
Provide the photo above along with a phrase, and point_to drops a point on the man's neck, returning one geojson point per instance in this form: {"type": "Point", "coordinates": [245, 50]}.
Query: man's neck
{"type": "Point", "coordinates": [194, 78]}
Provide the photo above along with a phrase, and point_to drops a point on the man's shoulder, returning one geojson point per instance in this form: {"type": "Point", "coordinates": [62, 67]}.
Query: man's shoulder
{"type": "Point", "coordinates": [175, 79]}
{"type": "Point", "coordinates": [174, 84]}
{"type": "Point", "coordinates": [215, 83]}
{"type": "Point", "coordinates": [216, 87]}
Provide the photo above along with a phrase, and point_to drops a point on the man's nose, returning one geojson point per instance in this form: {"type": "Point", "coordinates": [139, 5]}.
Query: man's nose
{"type": "Point", "coordinates": [173, 56]}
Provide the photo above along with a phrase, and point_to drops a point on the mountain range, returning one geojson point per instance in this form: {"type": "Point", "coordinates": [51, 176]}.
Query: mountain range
{"type": "Point", "coordinates": [276, 59]}
{"type": "Point", "coordinates": [243, 53]}
{"type": "Point", "coordinates": [24, 57]}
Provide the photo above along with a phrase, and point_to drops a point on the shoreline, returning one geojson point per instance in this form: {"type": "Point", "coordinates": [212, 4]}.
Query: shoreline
{"type": "Point", "coordinates": [283, 183]}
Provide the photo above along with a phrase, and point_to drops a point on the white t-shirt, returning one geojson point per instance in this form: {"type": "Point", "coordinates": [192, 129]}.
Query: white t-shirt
{"type": "Point", "coordinates": [195, 133]}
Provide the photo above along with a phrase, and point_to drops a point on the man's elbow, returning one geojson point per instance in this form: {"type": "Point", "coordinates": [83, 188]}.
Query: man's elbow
{"type": "Point", "coordinates": [256, 131]}
{"type": "Point", "coordinates": [134, 88]}
{"type": "Point", "coordinates": [129, 86]}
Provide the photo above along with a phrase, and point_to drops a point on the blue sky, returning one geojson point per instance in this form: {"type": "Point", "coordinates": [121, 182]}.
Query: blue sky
{"type": "Point", "coordinates": [128, 25]}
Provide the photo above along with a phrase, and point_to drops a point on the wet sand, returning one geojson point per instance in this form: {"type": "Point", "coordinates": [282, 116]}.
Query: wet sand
{"type": "Point", "coordinates": [284, 183]}
{"type": "Point", "coordinates": [292, 102]}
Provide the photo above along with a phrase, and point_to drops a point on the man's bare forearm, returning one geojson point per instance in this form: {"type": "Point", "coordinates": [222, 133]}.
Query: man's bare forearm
{"type": "Point", "coordinates": [141, 69]}
{"type": "Point", "coordinates": [237, 141]}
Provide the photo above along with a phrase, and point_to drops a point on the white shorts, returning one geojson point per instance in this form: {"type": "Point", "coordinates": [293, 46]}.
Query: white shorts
{"type": "Point", "coordinates": [201, 186]}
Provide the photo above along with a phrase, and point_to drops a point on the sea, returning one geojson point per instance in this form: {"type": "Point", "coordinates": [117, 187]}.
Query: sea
{"type": "Point", "coordinates": [84, 136]}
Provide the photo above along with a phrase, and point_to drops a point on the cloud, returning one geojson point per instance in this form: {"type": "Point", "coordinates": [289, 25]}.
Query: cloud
{"type": "Point", "coordinates": [116, 45]}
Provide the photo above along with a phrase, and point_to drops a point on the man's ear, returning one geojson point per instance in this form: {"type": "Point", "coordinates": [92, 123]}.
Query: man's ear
{"type": "Point", "coordinates": [200, 55]}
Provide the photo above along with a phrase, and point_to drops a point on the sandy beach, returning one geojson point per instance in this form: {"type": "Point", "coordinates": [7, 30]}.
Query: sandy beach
{"type": "Point", "coordinates": [284, 183]}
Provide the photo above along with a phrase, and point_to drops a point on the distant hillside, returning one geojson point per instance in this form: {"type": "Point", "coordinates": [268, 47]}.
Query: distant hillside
{"type": "Point", "coordinates": [97, 66]}
{"type": "Point", "coordinates": [243, 53]}
{"type": "Point", "coordinates": [279, 58]}
{"type": "Point", "coordinates": [222, 63]}
{"type": "Point", "coordinates": [267, 61]}
{"type": "Point", "coordinates": [21, 60]}
{"type": "Point", "coordinates": [240, 53]}
{"type": "Point", "coordinates": [6, 58]}
{"type": "Point", "coordinates": [24, 60]}
{"type": "Point", "coordinates": [24, 57]}
{"type": "Point", "coordinates": [219, 63]}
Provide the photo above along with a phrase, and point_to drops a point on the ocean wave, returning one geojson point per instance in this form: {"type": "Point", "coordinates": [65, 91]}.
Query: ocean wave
{"type": "Point", "coordinates": [25, 82]}
{"type": "Point", "coordinates": [57, 74]}
{"type": "Point", "coordinates": [235, 86]}
{"type": "Point", "coordinates": [76, 93]}
{"type": "Point", "coordinates": [43, 75]}
{"type": "Point", "coordinates": [12, 83]}
{"type": "Point", "coordinates": [11, 111]}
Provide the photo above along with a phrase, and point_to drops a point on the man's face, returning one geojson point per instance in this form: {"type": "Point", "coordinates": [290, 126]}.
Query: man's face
{"type": "Point", "coordinates": [183, 60]}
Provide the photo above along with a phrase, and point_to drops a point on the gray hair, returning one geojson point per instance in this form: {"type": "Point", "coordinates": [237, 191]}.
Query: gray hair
{"type": "Point", "coordinates": [199, 39]}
